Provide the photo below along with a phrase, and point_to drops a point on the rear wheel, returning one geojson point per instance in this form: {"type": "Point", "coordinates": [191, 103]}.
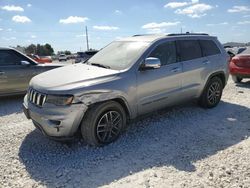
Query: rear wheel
{"type": "Point", "coordinates": [103, 123]}
{"type": "Point", "coordinates": [236, 79]}
{"type": "Point", "coordinates": [212, 93]}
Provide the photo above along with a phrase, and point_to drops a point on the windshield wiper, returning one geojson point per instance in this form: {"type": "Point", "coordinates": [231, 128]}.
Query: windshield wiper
{"type": "Point", "coordinates": [100, 65]}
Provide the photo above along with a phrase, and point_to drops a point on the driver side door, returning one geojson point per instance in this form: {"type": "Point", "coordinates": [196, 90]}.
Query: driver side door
{"type": "Point", "coordinates": [14, 77]}
{"type": "Point", "coordinates": [157, 88]}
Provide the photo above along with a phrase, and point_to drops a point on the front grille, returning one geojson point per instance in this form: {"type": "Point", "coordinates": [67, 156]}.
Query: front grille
{"type": "Point", "coordinates": [36, 97]}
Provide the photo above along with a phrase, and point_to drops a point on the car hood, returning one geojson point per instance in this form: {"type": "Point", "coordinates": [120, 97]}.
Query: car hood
{"type": "Point", "coordinates": [71, 77]}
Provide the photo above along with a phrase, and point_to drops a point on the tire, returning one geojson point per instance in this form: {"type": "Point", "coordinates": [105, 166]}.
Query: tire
{"type": "Point", "coordinates": [212, 93]}
{"type": "Point", "coordinates": [236, 79]}
{"type": "Point", "coordinates": [103, 123]}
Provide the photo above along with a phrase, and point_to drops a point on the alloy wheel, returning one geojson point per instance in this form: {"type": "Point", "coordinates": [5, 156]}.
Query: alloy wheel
{"type": "Point", "coordinates": [109, 126]}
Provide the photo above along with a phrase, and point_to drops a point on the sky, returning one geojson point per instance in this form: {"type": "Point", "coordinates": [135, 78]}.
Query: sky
{"type": "Point", "coordinates": [62, 23]}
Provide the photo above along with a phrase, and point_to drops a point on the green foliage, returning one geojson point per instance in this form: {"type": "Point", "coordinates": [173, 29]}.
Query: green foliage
{"type": "Point", "coordinates": [66, 52]}
{"type": "Point", "coordinates": [41, 50]}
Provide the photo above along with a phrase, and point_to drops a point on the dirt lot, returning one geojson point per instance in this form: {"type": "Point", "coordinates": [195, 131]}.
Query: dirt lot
{"type": "Point", "coordinates": [184, 146]}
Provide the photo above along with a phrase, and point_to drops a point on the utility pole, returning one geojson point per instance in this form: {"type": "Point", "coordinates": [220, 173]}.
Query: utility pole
{"type": "Point", "coordinates": [87, 38]}
{"type": "Point", "coordinates": [181, 30]}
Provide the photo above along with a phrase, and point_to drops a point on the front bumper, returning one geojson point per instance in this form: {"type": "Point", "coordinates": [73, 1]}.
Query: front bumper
{"type": "Point", "coordinates": [55, 121]}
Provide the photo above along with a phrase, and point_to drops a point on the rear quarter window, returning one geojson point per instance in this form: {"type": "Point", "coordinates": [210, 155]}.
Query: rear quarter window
{"type": "Point", "coordinates": [189, 49]}
{"type": "Point", "coordinates": [209, 48]}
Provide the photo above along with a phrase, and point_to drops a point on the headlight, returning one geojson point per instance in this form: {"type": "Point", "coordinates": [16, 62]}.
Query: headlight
{"type": "Point", "coordinates": [60, 100]}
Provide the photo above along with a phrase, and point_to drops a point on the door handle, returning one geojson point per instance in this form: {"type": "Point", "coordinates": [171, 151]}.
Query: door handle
{"type": "Point", "coordinates": [206, 62]}
{"type": "Point", "coordinates": [175, 69]}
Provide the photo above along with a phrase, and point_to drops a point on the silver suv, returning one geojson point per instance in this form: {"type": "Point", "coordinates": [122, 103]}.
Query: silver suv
{"type": "Point", "coordinates": [128, 78]}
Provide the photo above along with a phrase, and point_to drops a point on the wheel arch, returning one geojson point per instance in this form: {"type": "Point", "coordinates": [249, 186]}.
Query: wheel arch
{"type": "Point", "coordinates": [219, 74]}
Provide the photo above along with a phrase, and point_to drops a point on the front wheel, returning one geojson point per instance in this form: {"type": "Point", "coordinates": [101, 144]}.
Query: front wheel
{"type": "Point", "coordinates": [212, 93]}
{"type": "Point", "coordinates": [103, 123]}
{"type": "Point", "coordinates": [236, 79]}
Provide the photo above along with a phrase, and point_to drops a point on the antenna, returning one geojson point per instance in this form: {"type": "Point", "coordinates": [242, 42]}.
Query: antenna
{"type": "Point", "coordinates": [87, 37]}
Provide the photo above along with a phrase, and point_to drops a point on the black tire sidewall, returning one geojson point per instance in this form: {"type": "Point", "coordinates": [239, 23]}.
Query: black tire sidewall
{"type": "Point", "coordinates": [236, 79]}
{"type": "Point", "coordinates": [204, 99]}
{"type": "Point", "coordinates": [93, 118]}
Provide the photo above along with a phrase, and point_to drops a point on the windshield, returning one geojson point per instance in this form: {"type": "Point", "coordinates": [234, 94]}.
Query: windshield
{"type": "Point", "coordinates": [119, 55]}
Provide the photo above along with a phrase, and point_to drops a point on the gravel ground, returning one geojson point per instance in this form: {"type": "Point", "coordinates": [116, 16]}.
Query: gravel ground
{"type": "Point", "coordinates": [184, 146]}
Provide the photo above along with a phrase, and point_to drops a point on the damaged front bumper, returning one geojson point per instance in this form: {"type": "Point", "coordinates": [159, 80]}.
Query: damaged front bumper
{"type": "Point", "coordinates": [55, 121]}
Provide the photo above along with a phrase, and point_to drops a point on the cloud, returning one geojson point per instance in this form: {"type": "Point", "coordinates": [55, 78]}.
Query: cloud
{"type": "Point", "coordinates": [246, 16]}
{"type": "Point", "coordinates": [21, 19]}
{"type": "Point", "coordinates": [176, 4]}
{"type": "Point", "coordinates": [105, 28]}
{"type": "Point", "coordinates": [73, 20]}
{"type": "Point", "coordinates": [29, 5]}
{"type": "Point", "coordinates": [154, 27]}
{"type": "Point", "coordinates": [9, 29]}
{"type": "Point", "coordinates": [218, 24]}
{"type": "Point", "coordinates": [243, 22]}
{"type": "Point", "coordinates": [239, 9]}
{"type": "Point", "coordinates": [81, 35]}
{"type": "Point", "coordinates": [1, 29]}
{"type": "Point", "coordinates": [180, 4]}
{"type": "Point", "coordinates": [12, 8]}
{"type": "Point", "coordinates": [195, 11]}
{"type": "Point", "coordinates": [33, 36]}
{"type": "Point", "coordinates": [9, 38]}
{"type": "Point", "coordinates": [118, 12]}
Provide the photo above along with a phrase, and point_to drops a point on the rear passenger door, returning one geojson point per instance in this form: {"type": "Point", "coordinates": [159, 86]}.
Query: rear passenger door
{"type": "Point", "coordinates": [195, 67]}
{"type": "Point", "coordinates": [212, 53]}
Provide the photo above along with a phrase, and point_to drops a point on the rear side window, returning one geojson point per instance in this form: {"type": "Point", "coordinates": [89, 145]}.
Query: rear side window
{"type": "Point", "coordinates": [166, 52]}
{"type": "Point", "coordinates": [209, 48]}
{"type": "Point", "coordinates": [189, 49]}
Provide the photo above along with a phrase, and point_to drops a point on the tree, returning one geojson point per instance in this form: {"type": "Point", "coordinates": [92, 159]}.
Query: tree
{"type": "Point", "coordinates": [67, 52]}
{"type": "Point", "coordinates": [48, 49]}
{"type": "Point", "coordinates": [31, 49]}
{"type": "Point", "coordinates": [41, 50]}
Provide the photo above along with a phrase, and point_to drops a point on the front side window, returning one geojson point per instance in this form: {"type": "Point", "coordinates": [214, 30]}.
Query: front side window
{"type": "Point", "coordinates": [166, 52]}
{"type": "Point", "coordinates": [209, 48]}
{"type": "Point", "coordinates": [8, 57]}
{"type": "Point", "coordinates": [189, 49]}
{"type": "Point", "coordinates": [11, 57]}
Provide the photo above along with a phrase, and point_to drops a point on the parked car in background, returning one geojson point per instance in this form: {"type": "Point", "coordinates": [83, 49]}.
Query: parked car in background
{"type": "Point", "coordinates": [240, 66]}
{"type": "Point", "coordinates": [62, 57]}
{"type": "Point", "coordinates": [16, 70]}
{"type": "Point", "coordinates": [39, 59]}
{"type": "Point", "coordinates": [127, 78]}
{"type": "Point", "coordinates": [83, 56]}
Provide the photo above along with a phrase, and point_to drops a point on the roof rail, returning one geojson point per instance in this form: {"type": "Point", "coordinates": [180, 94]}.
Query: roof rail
{"type": "Point", "coordinates": [187, 33]}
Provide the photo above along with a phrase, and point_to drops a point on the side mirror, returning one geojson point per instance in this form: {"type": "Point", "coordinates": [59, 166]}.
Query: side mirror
{"type": "Point", "coordinates": [231, 54]}
{"type": "Point", "coordinates": [151, 63]}
{"type": "Point", "coordinates": [25, 63]}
